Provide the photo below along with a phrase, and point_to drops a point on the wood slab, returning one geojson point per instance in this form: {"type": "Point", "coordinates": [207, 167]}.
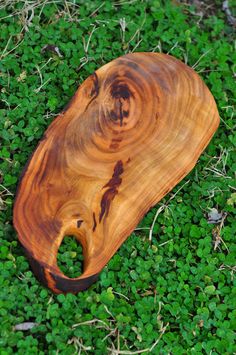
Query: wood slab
{"type": "Point", "coordinates": [132, 131]}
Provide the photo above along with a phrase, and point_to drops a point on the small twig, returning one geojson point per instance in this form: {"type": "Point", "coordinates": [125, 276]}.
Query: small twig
{"type": "Point", "coordinates": [28, 21]}
{"type": "Point", "coordinates": [118, 340]}
{"type": "Point", "coordinates": [21, 277]}
{"type": "Point", "coordinates": [136, 46]}
{"type": "Point", "coordinates": [3, 55]}
{"type": "Point", "coordinates": [121, 294]}
{"type": "Point", "coordinates": [168, 241]}
{"type": "Point", "coordinates": [5, 49]}
{"type": "Point", "coordinates": [157, 341]}
{"type": "Point", "coordinates": [126, 352]}
{"type": "Point", "coordinates": [90, 322]}
{"type": "Point", "coordinates": [77, 342]}
{"type": "Point", "coordinates": [232, 269]}
{"type": "Point", "coordinates": [219, 167]}
{"type": "Point", "coordinates": [124, 2]}
{"type": "Point", "coordinates": [41, 86]}
{"type": "Point", "coordinates": [107, 310]}
{"type": "Point", "coordinates": [137, 33]}
{"type": "Point", "coordinates": [40, 75]}
{"type": "Point", "coordinates": [44, 65]}
{"type": "Point", "coordinates": [232, 187]}
{"type": "Point", "coordinates": [216, 234]}
{"type": "Point", "coordinates": [230, 17]}
{"type": "Point", "coordinates": [112, 332]}
{"type": "Point", "coordinates": [7, 103]}
{"type": "Point", "coordinates": [97, 9]}
{"type": "Point", "coordinates": [161, 208]}
{"type": "Point", "coordinates": [86, 46]}
{"type": "Point", "coordinates": [149, 350]}
{"type": "Point", "coordinates": [157, 47]}
{"type": "Point", "coordinates": [172, 48]}
{"type": "Point", "coordinates": [123, 27]}
{"type": "Point", "coordinates": [68, 10]}
{"type": "Point", "coordinates": [172, 261]}
{"type": "Point", "coordinates": [218, 173]}
{"type": "Point", "coordinates": [203, 55]}
{"type": "Point", "coordinates": [6, 190]}
{"type": "Point", "coordinates": [160, 304]}
{"type": "Point", "coordinates": [42, 8]}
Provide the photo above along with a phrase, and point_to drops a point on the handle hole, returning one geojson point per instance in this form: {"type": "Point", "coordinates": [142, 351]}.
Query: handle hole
{"type": "Point", "coordinates": [70, 257]}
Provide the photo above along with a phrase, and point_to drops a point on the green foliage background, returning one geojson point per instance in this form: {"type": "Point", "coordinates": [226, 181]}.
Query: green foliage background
{"type": "Point", "coordinates": [179, 293]}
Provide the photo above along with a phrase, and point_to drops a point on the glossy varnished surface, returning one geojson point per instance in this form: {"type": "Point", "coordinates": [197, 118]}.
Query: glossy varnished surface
{"type": "Point", "coordinates": [131, 132]}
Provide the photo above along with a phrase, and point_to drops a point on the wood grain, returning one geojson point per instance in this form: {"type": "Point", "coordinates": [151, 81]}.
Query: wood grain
{"type": "Point", "coordinates": [131, 132]}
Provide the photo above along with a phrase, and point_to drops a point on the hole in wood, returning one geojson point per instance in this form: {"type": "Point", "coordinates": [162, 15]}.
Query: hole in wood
{"type": "Point", "coordinates": [70, 257]}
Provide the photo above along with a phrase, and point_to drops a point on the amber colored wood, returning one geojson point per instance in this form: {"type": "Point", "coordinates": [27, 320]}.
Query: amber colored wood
{"type": "Point", "coordinates": [131, 132]}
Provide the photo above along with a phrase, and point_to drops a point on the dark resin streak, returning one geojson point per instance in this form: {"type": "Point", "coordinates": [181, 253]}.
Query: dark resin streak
{"type": "Point", "coordinates": [79, 222]}
{"type": "Point", "coordinates": [121, 91]}
{"type": "Point", "coordinates": [121, 112]}
{"type": "Point", "coordinates": [94, 222]}
{"type": "Point", "coordinates": [113, 185]}
{"type": "Point", "coordinates": [95, 90]}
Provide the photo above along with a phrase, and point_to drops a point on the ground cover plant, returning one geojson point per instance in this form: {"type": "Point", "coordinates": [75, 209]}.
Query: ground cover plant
{"type": "Point", "coordinates": [170, 289]}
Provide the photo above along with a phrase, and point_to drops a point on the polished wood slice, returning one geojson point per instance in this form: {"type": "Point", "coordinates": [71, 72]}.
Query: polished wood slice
{"type": "Point", "coordinates": [132, 131]}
